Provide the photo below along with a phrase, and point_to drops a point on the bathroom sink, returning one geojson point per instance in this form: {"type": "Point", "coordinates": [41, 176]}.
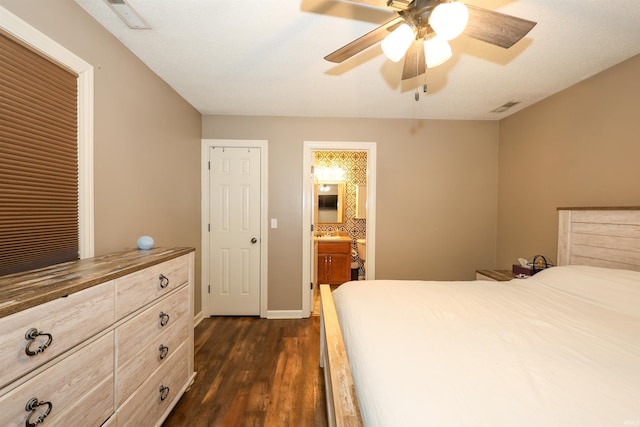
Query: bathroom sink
{"type": "Point", "coordinates": [333, 238]}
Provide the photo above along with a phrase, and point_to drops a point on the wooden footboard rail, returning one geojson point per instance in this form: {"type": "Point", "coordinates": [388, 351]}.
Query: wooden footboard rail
{"type": "Point", "coordinates": [342, 403]}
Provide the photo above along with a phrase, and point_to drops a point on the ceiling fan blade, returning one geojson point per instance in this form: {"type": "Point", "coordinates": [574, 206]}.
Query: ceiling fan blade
{"type": "Point", "coordinates": [414, 60]}
{"type": "Point", "coordinates": [393, 4]}
{"type": "Point", "coordinates": [496, 28]}
{"type": "Point", "coordinates": [360, 44]}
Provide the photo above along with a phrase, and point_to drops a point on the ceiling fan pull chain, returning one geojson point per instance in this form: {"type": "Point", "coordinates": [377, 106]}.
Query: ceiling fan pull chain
{"type": "Point", "coordinates": [424, 86]}
{"type": "Point", "coordinates": [417, 95]}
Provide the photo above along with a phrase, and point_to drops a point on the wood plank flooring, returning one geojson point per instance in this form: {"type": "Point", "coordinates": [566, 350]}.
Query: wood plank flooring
{"type": "Point", "coordinates": [254, 372]}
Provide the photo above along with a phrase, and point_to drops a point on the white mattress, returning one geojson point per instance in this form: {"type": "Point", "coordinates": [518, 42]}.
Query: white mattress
{"type": "Point", "coordinates": [559, 349]}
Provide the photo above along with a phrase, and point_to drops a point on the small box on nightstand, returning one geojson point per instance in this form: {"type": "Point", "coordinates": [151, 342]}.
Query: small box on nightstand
{"type": "Point", "coordinates": [520, 271]}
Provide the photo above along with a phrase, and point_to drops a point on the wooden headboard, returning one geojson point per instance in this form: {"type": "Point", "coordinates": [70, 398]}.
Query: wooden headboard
{"type": "Point", "coordinates": [603, 237]}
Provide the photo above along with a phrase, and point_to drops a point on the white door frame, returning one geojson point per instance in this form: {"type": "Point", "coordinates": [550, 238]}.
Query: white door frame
{"type": "Point", "coordinates": [264, 231]}
{"type": "Point", "coordinates": [307, 205]}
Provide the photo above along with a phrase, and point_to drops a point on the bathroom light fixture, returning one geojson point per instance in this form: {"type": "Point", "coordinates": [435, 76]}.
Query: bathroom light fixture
{"type": "Point", "coordinates": [395, 45]}
{"type": "Point", "coordinates": [449, 20]}
{"type": "Point", "coordinates": [325, 173]}
{"type": "Point", "coordinates": [128, 14]}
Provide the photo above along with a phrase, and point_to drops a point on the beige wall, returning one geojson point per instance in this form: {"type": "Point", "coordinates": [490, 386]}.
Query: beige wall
{"type": "Point", "coordinates": [146, 138]}
{"type": "Point", "coordinates": [436, 194]}
{"type": "Point", "coordinates": [438, 209]}
{"type": "Point", "coordinates": [580, 147]}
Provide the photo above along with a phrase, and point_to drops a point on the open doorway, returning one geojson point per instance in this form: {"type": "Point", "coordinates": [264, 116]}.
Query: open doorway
{"type": "Point", "coordinates": [359, 155]}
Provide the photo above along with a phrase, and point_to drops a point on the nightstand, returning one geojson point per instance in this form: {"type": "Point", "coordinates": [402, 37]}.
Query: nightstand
{"type": "Point", "coordinates": [495, 275]}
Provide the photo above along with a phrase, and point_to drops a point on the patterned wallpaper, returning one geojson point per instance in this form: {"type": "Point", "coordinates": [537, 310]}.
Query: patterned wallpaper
{"type": "Point", "coordinates": [354, 165]}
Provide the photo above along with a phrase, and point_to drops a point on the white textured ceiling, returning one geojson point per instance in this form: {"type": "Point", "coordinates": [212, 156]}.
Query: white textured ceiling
{"type": "Point", "coordinates": [265, 57]}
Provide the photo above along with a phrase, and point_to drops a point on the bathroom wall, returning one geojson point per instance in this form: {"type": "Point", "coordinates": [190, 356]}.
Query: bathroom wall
{"type": "Point", "coordinates": [354, 165]}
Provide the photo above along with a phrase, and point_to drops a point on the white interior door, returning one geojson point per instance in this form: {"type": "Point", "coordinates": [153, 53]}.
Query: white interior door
{"type": "Point", "coordinates": [235, 235]}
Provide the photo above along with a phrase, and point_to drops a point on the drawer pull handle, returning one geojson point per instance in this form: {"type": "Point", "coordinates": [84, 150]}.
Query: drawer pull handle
{"type": "Point", "coordinates": [31, 335]}
{"type": "Point", "coordinates": [164, 350]}
{"type": "Point", "coordinates": [164, 392]}
{"type": "Point", "coordinates": [164, 281]}
{"type": "Point", "coordinates": [32, 406]}
{"type": "Point", "coordinates": [164, 318]}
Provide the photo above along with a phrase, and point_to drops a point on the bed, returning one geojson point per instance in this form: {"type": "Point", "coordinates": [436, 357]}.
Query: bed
{"type": "Point", "coordinates": [560, 348]}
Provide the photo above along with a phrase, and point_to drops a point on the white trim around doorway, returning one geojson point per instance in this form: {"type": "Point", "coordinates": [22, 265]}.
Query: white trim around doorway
{"type": "Point", "coordinates": [307, 205]}
{"type": "Point", "coordinates": [264, 230]}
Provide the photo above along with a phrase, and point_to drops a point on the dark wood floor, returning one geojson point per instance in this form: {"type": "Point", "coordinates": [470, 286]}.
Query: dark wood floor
{"type": "Point", "coordinates": [254, 372]}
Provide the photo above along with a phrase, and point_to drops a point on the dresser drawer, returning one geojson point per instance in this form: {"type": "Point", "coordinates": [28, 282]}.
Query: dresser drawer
{"type": "Point", "coordinates": [79, 389]}
{"type": "Point", "coordinates": [147, 402]}
{"type": "Point", "coordinates": [143, 345]}
{"type": "Point", "coordinates": [138, 289]}
{"type": "Point", "coordinates": [145, 328]}
{"type": "Point", "coordinates": [68, 321]}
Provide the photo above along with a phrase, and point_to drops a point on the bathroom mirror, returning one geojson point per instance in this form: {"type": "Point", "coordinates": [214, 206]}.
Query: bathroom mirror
{"type": "Point", "coordinates": [330, 206]}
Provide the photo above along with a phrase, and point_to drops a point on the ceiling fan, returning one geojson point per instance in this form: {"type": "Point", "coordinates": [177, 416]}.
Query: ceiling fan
{"type": "Point", "coordinates": [420, 31]}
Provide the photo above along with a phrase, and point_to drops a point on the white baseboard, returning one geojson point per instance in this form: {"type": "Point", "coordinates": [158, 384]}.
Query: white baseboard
{"type": "Point", "coordinates": [197, 319]}
{"type": "Point", "coordinates": [284, 314]}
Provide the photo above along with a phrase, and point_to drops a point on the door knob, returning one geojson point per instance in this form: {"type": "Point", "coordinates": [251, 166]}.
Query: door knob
{"type": "Point", "coordinates": [254, 240]}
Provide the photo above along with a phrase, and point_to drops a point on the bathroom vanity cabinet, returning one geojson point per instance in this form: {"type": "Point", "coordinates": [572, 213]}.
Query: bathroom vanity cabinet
{"type": "Point", "coordinates": [102, 341]}
{"type": "Point", "coordinates": [334, 261]}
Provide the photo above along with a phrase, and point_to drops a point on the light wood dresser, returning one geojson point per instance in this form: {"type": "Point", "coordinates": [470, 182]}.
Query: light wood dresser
{"type": "Point", "coordinates": [102, 341]}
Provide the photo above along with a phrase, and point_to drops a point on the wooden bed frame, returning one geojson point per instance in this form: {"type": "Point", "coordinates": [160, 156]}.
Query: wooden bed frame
{"type": "Point", "coordinates": [604, 237]}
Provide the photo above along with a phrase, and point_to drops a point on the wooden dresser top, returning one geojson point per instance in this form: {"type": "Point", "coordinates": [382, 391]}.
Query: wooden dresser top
{"type": "Point", "coordinates": [21, 291]}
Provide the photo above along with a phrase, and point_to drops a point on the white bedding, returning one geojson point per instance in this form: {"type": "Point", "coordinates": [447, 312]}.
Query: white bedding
{"type": "Point", "coordinates": [561, 348]}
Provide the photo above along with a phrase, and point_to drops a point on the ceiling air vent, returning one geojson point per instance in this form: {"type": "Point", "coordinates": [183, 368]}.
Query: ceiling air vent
{"type": "Point", "coordinates": [505, 107]}
{"type": "Point", "coordinates": [128, 14]}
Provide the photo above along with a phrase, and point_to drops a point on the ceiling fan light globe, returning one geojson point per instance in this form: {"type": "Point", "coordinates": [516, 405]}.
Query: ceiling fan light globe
{"type": "Point", "coordinates": [436, 51]}
{"type": "Point", "coordinates": [449, 20]}
{"type": "Point", "coordinates": [395, 45]}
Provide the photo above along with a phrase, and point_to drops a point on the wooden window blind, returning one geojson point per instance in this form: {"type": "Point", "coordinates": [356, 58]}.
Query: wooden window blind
{"type": "Point", "coordinates": [38, 160]}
